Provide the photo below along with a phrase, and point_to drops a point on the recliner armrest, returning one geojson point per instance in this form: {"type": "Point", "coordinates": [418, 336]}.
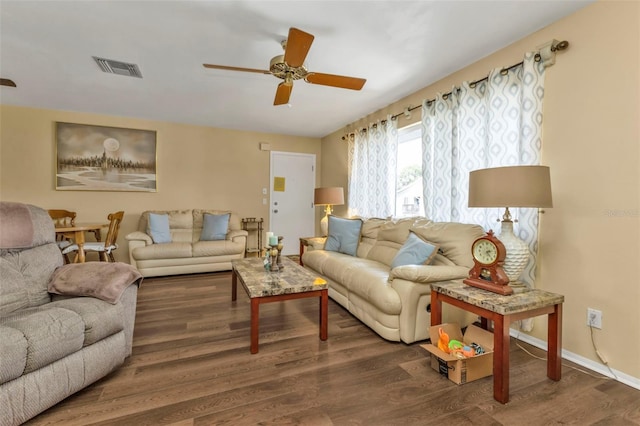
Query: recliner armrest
{"type": "Point", "coordinates": [429, 273]}
{"type": "Point", "coordinates": [140, 236]}
{"type": "Point", "coordinates": [232, 235]}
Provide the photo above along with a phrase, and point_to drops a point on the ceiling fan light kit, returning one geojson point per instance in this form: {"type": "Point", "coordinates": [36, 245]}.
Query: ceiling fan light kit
{"type": "Point", "coordinates": [290, 67]}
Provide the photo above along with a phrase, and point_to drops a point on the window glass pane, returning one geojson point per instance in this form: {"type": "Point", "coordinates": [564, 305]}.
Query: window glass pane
{"type": "Point", "coordinates": [409, 175]}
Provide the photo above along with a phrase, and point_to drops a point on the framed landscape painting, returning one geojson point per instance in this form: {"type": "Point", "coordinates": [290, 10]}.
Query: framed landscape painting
{"type": "Point", "coordinates": [100, 158]}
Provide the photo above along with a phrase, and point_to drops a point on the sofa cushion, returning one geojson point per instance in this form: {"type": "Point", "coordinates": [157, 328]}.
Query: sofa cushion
{"type": "Point", "coordinates": [159, 228]}
{"type": "Point", "coordinates": [52, 333]}
{"type": "Point", "coordinates": [163, 251]}
{"type": "Point", "coordinates": [415, 251]}
{"type": "Point", "coordinates": [100, 319]}
{"type": "Point", "coordinates": [13, 288]}
{"type": "Point", "coordinates": [343, 235]}
{"type": "Point", "coordinates": [455, 239]}
{"type": "Point", "coordinates": [36, 266]}
{"type": "Point", "coordinates": [217, 248]}
{"type": "Point", "coordinates": [215, 227]}
{"type": "Point", "coordinates": [180, 224]}
{"type": "Point", "coordinates": [369, 234]}
{"type": "Point", "coordinates": [364, 277]}
{"type": "Point", "coordinates": [391, 236]}
{"type": "Point", "coordinates": [13, 353]}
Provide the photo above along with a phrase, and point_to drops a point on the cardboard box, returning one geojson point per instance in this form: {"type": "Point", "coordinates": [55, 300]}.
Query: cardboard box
{"type": "Point", "coordinates": [458, 370]}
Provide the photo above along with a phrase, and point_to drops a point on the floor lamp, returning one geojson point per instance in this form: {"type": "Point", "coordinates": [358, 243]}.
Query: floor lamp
{"type": "Point", "coordinates": [516, 186]}
{"type": "Point", "coordinates": [333, 196]}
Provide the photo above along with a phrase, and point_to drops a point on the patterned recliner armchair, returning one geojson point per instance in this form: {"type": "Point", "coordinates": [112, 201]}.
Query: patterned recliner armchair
{"type": "Point", "coordinates": [52, 345]}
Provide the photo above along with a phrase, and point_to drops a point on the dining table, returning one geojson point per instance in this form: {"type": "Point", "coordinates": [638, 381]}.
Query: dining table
{"type": "Point", "coordinates": [77, 232]}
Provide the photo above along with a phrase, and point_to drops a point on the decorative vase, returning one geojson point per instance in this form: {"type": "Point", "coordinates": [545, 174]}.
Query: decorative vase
{"type": "Point", "coordinates": [279, 259]}
{"type": "Point", "coordinates": [274, 259]}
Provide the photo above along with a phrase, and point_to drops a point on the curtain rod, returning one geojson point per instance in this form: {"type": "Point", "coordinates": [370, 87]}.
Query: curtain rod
{"type": "Point", "coordinates": [562, 45]}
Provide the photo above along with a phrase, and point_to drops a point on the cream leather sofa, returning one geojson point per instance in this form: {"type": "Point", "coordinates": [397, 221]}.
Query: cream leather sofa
{"type": "Point", "coordinates": [395, 303]}
{"type": "Point", "coordinates": [185, 254]}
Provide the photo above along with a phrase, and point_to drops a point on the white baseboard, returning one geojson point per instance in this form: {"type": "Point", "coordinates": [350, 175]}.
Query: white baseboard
{"type": "Point", "coordinates": [602, 369]}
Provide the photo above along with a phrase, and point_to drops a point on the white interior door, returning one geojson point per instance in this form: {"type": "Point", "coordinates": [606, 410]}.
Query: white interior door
{"type": "Point", "coordinates": [291, 213]}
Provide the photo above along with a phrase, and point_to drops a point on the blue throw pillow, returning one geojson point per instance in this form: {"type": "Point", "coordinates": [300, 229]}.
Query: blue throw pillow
{"type": "Point", "coordinates": [344, 235]}
{"type": "Point", "coordinates": [159, 228]}
{"type": "Point", "coordinates": [215, 227]}
{"type": "Point", "coordinates": [415, 251]}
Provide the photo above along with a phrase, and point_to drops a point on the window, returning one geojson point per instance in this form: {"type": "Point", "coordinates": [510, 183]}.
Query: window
{"type": "Point", "coordinates": [409, 173]}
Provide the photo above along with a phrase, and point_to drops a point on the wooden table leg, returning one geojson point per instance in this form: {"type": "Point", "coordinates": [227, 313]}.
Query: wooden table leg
{"type": "Point", "coordinates": [501, 359]}
{"type": "Point", "coordinates": [554, 337]}
{"type": "Point", "coordinates": [436, 309]}
{"type": "Point", "coordinates": [255, 324]}
{"type": "Point", "coordinates": [324, 314]}
{"type": "Point", "coordinates": [484, 323]}
{"type": "Point", "coordinates": [79, 240]}
{"type": "Point", "coordinates": [234, 285]}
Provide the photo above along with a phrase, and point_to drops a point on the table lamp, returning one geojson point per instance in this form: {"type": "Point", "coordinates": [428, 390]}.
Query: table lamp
{"type": "Point", "coordinates": [332, 196]}
{"type": "Point", "coordinates": [515, 186]}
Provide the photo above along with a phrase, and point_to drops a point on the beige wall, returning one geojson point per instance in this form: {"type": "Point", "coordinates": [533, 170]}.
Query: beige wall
{"type": "Point", "coordinates": [198, 167]}
{"type": "Point", "coordinates": [590, 239]}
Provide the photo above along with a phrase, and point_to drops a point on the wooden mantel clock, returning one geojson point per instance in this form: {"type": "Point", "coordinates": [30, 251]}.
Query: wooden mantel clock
{"type": "Point", "coordinates": [488, 257]}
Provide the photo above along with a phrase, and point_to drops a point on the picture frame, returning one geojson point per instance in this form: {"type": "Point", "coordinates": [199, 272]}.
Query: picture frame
{"type": "Point", "coordinates": [103, 158]}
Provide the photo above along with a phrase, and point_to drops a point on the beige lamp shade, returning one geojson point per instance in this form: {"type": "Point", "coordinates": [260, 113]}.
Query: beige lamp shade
{"type": "Point", "coordinates": [333, 196]}
{"type": "Point", "coordinates": [515, 186]}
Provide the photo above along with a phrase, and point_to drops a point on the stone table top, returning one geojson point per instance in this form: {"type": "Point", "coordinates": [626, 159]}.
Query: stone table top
{"type": "Point", "coordinates": [494, 302]}
{"type": "Point", "coordinates": [258, 282]}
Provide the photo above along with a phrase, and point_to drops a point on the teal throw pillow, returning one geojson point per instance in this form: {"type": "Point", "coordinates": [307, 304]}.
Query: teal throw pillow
{"type": "Point", "coordinates": [415, 251]}
{"type": "Point", "coordinates": [159, 228]}
{"type": "Point", "coordinates": [344, 235]}
{"type": "Point", "coordinates": [214, 227]}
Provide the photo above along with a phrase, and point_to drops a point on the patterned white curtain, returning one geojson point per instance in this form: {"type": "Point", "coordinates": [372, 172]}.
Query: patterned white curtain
{"type": "Point", "coordinates": [372, 170]}
{"type": "Point", "coordinates": [497, 122]}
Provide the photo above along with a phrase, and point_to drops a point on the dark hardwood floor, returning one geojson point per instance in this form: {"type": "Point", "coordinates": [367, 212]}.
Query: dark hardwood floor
{"type": "Point", "coordinates": [191, 366]}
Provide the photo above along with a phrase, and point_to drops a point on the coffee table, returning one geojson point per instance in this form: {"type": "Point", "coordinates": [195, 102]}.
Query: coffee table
{"type": "Point", "coordinates": [292, 282]}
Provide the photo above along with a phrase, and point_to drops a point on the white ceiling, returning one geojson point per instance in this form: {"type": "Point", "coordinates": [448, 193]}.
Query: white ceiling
{"type": "Point", "coordinates": [46, 47]}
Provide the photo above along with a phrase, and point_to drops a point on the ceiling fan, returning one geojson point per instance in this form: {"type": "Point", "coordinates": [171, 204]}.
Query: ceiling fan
{"type": "Point", "coordinates": [7, 82]}
{"type": "Point", "coordinates": [290, 67]}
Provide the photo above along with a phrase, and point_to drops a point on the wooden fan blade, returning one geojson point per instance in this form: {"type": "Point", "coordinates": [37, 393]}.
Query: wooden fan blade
{"type": "Point", "coordinates": [283, 93]}
{"type": "Point", "coordinates": [298, 45]}
{"type": "Point", "coordinates": [224, 67]}
{"type": "Point", "coordinates": [7, 82]}
{"type": "Point", "coordinates": [341, 81]}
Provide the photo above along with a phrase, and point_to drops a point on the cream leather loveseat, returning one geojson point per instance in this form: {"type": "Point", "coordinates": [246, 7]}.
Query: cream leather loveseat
{"type": "Point", "coordinates": [185, 253]}
{"type": "Point", "coordinates": [395, 302]}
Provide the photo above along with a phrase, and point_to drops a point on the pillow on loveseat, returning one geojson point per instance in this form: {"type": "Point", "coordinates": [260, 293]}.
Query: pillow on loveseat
{"type": "Point", "coordinates": [344, 235]}
{"type": "Point", "coordinates": [159, 228]}
{"type": "Point", "coordinates": [214, 227]}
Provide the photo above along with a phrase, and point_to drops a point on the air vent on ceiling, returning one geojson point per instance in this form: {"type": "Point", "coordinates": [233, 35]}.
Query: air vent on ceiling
{"type": "Point", "coordinates": [117, 67]}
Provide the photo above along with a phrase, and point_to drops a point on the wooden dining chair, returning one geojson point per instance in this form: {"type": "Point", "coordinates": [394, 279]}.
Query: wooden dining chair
{"type": "Point", "coordinates": [63, 218]}
{"type": "Point", "coordinates": [103, 248]}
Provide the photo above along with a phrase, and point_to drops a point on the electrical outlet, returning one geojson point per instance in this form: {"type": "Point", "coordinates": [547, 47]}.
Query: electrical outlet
{"type": "Point", "coordinates": [594, 318]}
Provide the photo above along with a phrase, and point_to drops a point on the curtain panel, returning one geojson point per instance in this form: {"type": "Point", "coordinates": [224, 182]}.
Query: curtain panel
{"type": "Point", "coordinates": [372, 170]}
{"type": "Point", "coordinates": [497, 122]}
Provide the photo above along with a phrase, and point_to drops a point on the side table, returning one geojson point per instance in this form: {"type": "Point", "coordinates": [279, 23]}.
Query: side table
{"type": "Point", "coordinates": [502, 310]}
